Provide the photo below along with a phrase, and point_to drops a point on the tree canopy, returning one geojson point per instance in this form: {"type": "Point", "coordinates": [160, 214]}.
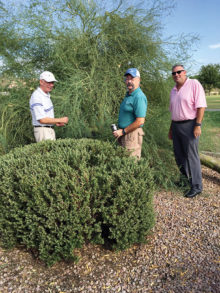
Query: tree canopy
{"type": "Point", "coordinates": [209, 76]}
{"type": "Point", "coordinates": [35, 33]}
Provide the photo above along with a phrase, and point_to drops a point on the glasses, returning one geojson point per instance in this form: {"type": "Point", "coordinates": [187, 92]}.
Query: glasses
{"type": "Point", "coordinates": [177, 72]}
{"type": "Point", "coordinates": [129, 78]}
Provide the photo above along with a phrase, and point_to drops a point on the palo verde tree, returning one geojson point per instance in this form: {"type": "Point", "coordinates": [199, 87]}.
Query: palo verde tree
{"type": "Point", "coordinates": [88, 45]}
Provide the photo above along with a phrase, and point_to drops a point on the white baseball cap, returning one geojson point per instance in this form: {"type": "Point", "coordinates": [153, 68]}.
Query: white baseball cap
{"type": "Point", "coordinates": [47, 76]}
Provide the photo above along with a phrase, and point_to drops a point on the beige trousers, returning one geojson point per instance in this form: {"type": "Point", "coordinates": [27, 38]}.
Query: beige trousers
{"type": "Point", "coordinates": [133, 142]}
{"type": "Point", "coordinates": [44, 133]}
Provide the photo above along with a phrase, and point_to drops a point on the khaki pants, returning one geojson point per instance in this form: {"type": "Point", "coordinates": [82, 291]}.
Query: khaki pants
{"type": "Point", "coordinates": [44, 133]}
{"type": "Point", "coordinates": [133, 142]}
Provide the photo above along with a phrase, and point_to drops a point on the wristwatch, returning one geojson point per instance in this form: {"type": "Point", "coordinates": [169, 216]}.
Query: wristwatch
{"type": "Point", "coordinates": [198, 124]}
{"type": "Point", "coordinates": [123, 131]}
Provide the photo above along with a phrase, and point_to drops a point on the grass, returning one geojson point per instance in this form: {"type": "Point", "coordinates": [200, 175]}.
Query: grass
{"type": "Point", "coordinates": [213, 102]}
{"type": "Point", "coordinates": [210, 138]}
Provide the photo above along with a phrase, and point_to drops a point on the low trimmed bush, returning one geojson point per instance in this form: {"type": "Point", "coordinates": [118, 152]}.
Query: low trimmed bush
{"type": "Point", "coordinates": [58, 195]}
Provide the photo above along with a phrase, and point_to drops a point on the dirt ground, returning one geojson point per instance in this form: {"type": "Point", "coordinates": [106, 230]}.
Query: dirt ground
{"type": "Point", "coordinates": [181, 255]}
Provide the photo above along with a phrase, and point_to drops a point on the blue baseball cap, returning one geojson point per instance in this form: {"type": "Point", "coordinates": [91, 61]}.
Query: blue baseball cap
{"type": "Point", "coordinates": [133, 72]}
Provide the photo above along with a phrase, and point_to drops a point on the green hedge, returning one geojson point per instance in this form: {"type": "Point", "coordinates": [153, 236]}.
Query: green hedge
{"type": "Point", "coordinates": [58, 195]}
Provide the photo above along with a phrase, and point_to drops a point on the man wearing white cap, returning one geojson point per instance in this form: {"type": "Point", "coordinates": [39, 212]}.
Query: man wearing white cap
{"type": "Point", "coordinates": [42, 110]}
{"type": "Point", "coordinates": [132, 115]}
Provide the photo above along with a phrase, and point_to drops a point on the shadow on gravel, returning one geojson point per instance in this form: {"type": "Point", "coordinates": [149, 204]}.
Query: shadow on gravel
{"type": "Point", "coordinates": [212, 178]}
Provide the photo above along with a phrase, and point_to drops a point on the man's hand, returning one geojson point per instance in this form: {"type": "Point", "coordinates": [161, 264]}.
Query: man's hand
{"type": "Point", "coordinates": [197, 131]}
{"type": "Point", "coordinates": [118, 133]}
{"type": "Point", "coordinates": [64, 120]}
{"type": "Point", "coordinates": [60, 124]}
{"type": "Point", "coordinates": [133, 126]}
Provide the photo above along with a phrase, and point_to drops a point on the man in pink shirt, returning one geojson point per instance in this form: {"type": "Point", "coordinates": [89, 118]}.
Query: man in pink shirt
{"type": "Point", "coordinates": [187, 107]}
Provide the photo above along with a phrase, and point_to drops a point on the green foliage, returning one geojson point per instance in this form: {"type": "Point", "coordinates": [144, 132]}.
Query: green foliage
{"type": "Point", "coordinates": [15, 123]}
{"type": "Point", "coordinates": [57, 195]}
{"type": "Point", "coordinates": [158, 148]}
{"type": "Point", "coordinates": [209, 76]}
{"type": "Point", "coordinates": [88, 45]}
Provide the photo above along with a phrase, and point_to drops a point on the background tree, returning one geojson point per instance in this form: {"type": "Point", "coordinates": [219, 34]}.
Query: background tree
{"type": "Point", "coordinates": [209, 76]}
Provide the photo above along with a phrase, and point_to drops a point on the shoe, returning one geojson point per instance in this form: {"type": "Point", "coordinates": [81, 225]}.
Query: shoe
{"type": "Point", "coordinates": [192, 193]}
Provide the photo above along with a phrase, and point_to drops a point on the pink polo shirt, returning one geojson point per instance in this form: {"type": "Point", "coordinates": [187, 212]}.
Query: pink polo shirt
{"type": "Point", "coordinates": [184, 103]}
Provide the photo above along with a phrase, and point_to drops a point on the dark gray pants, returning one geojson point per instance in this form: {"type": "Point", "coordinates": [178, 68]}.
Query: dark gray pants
{"type": "Point", "coordinates": [185, 147]}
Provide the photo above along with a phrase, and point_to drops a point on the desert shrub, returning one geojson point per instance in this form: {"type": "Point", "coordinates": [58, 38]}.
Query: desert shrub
{"type": "Point", "coordinates": [58, 195]}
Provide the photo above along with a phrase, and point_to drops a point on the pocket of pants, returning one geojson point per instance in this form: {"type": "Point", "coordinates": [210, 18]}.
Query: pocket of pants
{"type": "Point", "coordinates": [140, 138]}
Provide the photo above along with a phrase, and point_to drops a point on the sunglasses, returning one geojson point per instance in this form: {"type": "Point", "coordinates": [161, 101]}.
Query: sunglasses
{"type": "Point", "coordinates": [177, 72]}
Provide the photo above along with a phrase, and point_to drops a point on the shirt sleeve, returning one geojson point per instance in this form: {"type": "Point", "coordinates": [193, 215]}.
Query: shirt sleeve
{"type": "Point", "coordinates": [140, 106]}
{"type": "Point", "coordinates": [37, 107]}
{"type": "Point", "coordinates": [199, 94]}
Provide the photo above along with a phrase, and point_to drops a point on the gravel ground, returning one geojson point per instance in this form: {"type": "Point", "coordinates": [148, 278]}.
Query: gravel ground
{"type": "Point", "coordinates": [181, 255]}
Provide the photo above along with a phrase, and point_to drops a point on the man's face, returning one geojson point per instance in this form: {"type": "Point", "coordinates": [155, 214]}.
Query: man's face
{"type": "Point", "coordinates": [179, 74]}
{"type": "Point", "coordinates": [46, 86]}
{"type": "Point", "coordinates": [131, 82]}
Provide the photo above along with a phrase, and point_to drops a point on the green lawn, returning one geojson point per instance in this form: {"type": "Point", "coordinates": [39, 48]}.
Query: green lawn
{"type": "Point", "coordinates": [213, 102]}
{"type": "Point", "coordinates": [210, 138]}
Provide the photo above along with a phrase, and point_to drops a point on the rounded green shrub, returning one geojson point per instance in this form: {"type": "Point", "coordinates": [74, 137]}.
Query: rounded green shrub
{"type": "Point", "coordinates": [58, 195]}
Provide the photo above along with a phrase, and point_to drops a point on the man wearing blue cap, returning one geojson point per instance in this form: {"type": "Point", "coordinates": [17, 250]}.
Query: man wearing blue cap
{"type": "Point", "coordinates": [132, 115]}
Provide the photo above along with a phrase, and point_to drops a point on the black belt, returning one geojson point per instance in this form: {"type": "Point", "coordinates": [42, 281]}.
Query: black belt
{"type": "Point", "coordinates": [183, 121]}
{"type": "Point", "coordinates": [44, 126]}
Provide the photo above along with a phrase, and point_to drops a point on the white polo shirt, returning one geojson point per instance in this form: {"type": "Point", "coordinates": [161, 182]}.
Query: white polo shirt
{"type": "Point", "coordinates": [41, 106]}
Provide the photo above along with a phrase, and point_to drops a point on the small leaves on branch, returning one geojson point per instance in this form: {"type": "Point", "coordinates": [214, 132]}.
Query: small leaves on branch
{"type": "Point", "coordinates": [56, 196]}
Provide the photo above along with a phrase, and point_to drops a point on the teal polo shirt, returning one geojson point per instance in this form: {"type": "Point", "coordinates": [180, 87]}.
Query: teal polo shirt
{"type": "Point", "coordinates": [133, 106]}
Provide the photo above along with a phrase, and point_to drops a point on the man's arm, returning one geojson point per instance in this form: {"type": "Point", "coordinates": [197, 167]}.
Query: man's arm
{"type": "Point", "coordinates": [197, 129]}
{"type": "Point", "coordinates": [58, 121]}
{"type": "Point", "coordinates": [133, 126]}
